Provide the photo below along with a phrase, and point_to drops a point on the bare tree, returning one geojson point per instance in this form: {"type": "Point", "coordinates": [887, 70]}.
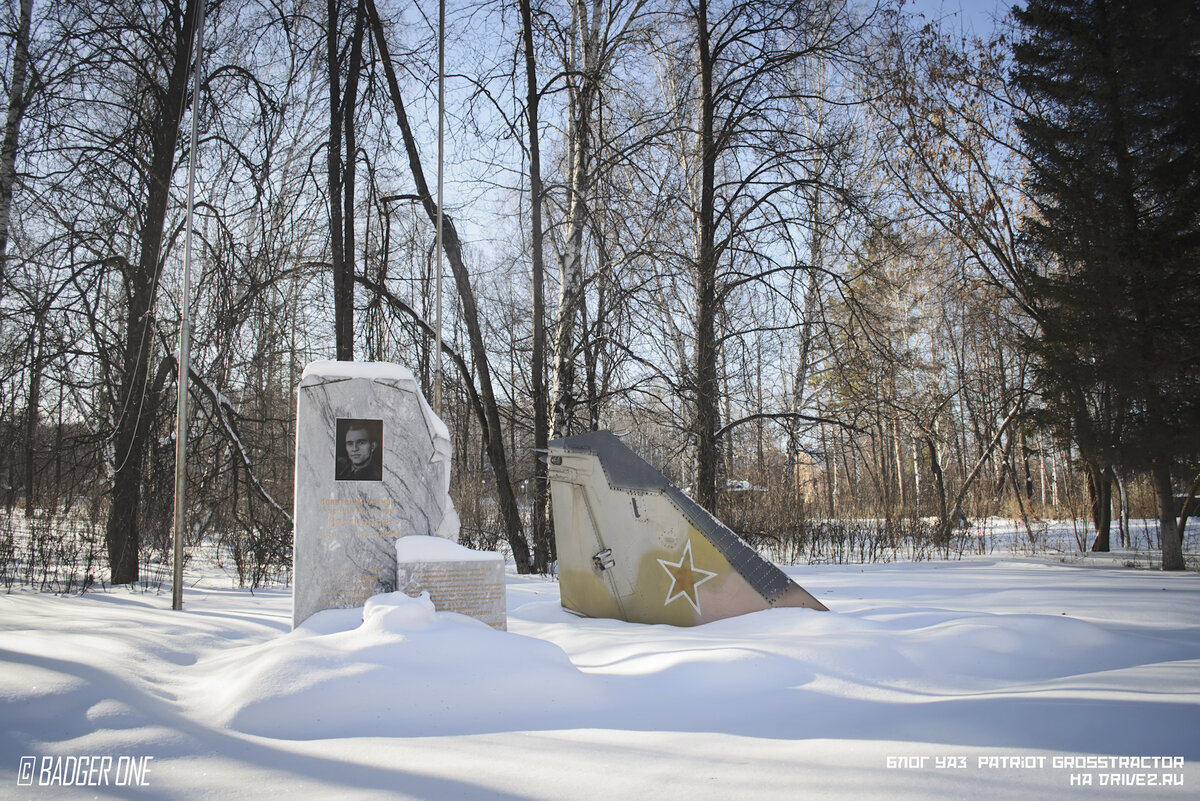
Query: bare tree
{"type": "Point", "coordinates": [591, 46]}
{"type": "Point", "coordinates": [543, 546]}
{"type": "Point", "coordinates": [744, 165]}
{"type": "Point", "coordinates": [342, 166]}
{"type": "Point", "coordinates": [494, 438]}
{"type": "Point", "coordinates": [135, 394]}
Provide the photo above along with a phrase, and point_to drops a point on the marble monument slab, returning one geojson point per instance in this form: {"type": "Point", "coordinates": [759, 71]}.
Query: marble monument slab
{"type": "Point", "coordinates": [457, 579]}
{"type": "Point", "coordinates": [372, 465]}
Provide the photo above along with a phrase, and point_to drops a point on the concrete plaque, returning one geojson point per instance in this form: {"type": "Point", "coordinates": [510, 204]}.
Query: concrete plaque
{"type": "Point", "coordinates": [457, 579]}
{"type": "Point", "coordinates": [372, 465]}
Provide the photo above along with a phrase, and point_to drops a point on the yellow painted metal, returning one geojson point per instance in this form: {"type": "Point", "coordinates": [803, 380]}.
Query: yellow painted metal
{"type": "Point", "coordinates": [631, 547]}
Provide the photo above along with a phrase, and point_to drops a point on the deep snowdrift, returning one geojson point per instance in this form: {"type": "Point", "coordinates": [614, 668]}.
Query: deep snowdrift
{"type": "Point", "coordinates": [917, 665]}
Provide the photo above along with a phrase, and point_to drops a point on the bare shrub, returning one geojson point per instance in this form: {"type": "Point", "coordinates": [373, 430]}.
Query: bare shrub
{"type": "Point", "coordinates": [51, 552]}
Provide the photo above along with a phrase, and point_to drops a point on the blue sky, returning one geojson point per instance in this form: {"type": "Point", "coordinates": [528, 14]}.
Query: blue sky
{"type": "Point", "coordinates": [976, 15]}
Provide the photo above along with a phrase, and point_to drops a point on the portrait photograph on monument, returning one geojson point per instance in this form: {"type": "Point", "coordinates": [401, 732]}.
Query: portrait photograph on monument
{"type": "Point", "coordinates": [359, 451]}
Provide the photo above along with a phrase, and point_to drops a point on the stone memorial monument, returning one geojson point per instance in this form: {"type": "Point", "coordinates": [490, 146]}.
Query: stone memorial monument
{"type": "Point", "coordinates": [457, 579]}
{"type": "Point", "coordinates": [372, 465]}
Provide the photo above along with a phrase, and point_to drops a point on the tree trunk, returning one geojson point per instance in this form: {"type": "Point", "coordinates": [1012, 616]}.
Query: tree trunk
{"type": "Point", "coordinates": [1012, 473]}
{"type": "Point", "coordinates": [706, 386]}
{"type": "Point", "coordinates": [760, 446]}
{"type": "Point", "coordinates": [938, 477]}
{"type": "Point", "coordinates": [492, 435]}
{"type": "Point", "coordinates": [1123, 492]}
{"type": "Point", "coordinates": [899, 458]}
{"type": "Point", "coordinates": [804, 349]}
{"type": "Point", "coordinates": [136, 410]}
{"type": "Point", "coordinates": [31, 411]}
{"type": "Point", "coordinates": [592, 341]}
{"type": "Point", "coordinates": [344, 303]}
{"type": "Point", "coordinates": [333, 167]}
{"type": "Point", "coordinates": [59, 490]}
{"type": "Point", "coordinates": [570, 300]}
{"type": "Point", "coordinates": [1099, 484]}
{"type": "Point", "coordinates": [1168, 526]}
{"type": "Point", "coordinates": [12, 127]}
{"type": "Point", "coordinates": [341, 174]}
{"type": "Point", "coordinates": [10, 426]}
{"type": "Point", "coordinates": [830, 473]}
{"type": "Point", "coordinates": [543, 543]}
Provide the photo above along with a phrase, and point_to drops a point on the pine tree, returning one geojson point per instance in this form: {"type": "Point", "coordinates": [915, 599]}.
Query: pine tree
{"type": "Point", "coordinates": [1115, 172]}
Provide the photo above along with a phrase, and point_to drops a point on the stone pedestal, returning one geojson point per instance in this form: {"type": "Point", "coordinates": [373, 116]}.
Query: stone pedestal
{"type": "Point", "coordinates": [372, 465]}
{"type": "Point", "coordinates": [457, 579]}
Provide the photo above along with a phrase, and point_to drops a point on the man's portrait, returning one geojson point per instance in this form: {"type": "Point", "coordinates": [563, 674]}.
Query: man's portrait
{"type": "Point", "coordinates": [359, 450]}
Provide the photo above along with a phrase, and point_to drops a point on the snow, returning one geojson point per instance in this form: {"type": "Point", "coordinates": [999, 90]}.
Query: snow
{"type": "Point", "coordinates": [981, 678]}
{"type": "Point", "coordinates": [373, 371]}
{"type": "Point", "coordinates": [419, 548]}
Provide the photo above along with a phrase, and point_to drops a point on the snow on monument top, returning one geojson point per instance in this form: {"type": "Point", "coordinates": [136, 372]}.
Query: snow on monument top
{"type": "Point", "coordinates": [420, 548]}
{"type": "Point", "coordinates": [372, 370]}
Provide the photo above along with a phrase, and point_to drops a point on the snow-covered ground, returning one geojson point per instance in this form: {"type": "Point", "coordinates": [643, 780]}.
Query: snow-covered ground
{"type": "Point", "coordinates": [1000, 676]}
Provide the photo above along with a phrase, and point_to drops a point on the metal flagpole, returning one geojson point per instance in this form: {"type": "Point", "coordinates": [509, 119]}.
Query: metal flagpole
{"type": "Point", "coordinates": [185, 335]}
{"type": "Point", "coordinates": [437, 346]}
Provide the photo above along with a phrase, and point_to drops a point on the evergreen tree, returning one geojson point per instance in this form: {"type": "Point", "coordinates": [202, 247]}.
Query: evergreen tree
{"type": "Point", "coordinates": [1114, 170]}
